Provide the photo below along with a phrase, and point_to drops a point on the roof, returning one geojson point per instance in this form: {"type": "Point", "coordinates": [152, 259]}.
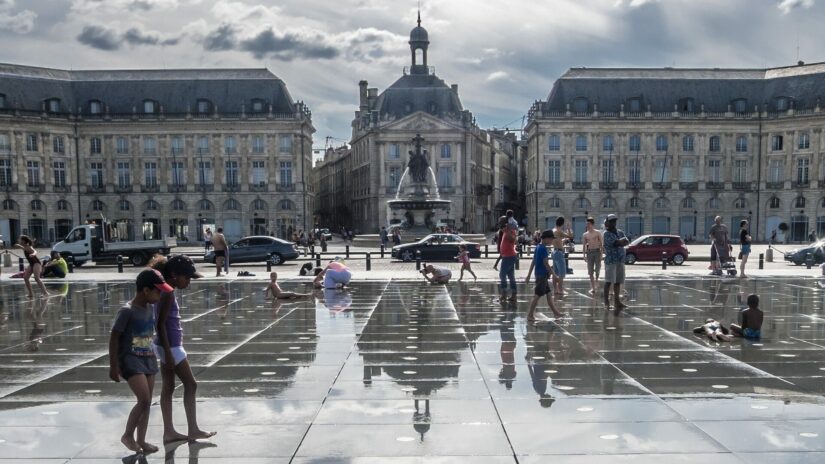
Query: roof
{"type": "Point", "coordinates": [418, 92]}
{"type": "Point", "coordinates": [177, 90]}
{"type": "Point", "coordinates": [662, 88]}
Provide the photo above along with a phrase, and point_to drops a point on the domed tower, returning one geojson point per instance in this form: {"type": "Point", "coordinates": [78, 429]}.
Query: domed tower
{"type": "Point", "coordinates": [419, 40]}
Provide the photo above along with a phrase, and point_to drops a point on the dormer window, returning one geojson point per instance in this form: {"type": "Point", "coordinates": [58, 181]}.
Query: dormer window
{"type": "Point", "coordinates": [257, 105]}
{"type": "Point", "coordinates": [686, 105]}
{"type": "Point", "coordinates": [53, 105]}
{"type": "Point", "coordinates": [580, 105]}
{"type": "Point", "coordinates": [95, 107]}
{"type": "Point", "coordinates": [149, 107]}
{"type": "Point", "coordinates": [408, 108]}
{"type": "Point", "coordinates": [204, 106]}
{"type": "Point", "coordinates": [782, 104]}
{"type": "Point", "coordinates": [432, 108]}
{"type": "Point", "coordinates": [2, 100]}
{"type": "Point", "coordinates": [740, 105]}
{"type": "Point", "coordinates": [634, 105]}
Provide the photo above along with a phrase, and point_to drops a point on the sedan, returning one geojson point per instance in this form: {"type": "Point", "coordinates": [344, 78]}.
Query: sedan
{"type": "Point", "coordinates": [435, 247]}
{"type": "Point", "coordinates": [257, 249]}
{"type": "Point", "coordinates": [799, 255]}
{"type": "Point", "coordinates": [651, 247]}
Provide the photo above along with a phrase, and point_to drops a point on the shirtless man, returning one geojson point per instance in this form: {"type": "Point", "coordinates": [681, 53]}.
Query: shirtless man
{"type": "Point", "coordinates": [593, 250]}
{"type": "Point", "coordinates": [559, 264]}
{"type": "Point", "coordinates": [219, 244]}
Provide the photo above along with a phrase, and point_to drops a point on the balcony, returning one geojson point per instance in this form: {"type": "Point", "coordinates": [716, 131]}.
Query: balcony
{"type": "Point", "coordinates": [150, 188]}
{"type": "Point", "coordinates": [8, 187]}
{"type": "Point", "coordinates": [714, 185]}
{"type": "Point", "coordinates": [554, 185]}
{"type": "Point", "coordinates": [608, 185]}
{"type": "Point", "coordinates": [36, 188]}
{"type": "Point", "coordinates": [61, 188]}
{"type": "Point", "coordinates": [662, 185]}
{"type": "Point", "coordinates": [231, 187]}
{"type": "Point", "coordinates": [635, 185]}
{"type": "Point", "coordinates": [801, 185]}
{"type": "Point", "coordinates": [123, 189]}
{"type": "Point", "coordinates": [743, 186]}
{"type": "Point", "coordinates": [688, 185]}
{"type": "Point", "coordinates": [204, 188]}
{"type": "Point", "coordinates": [262, 187]}
{"type": "Point", "coordinates": [776, 185]}
{"type": "Point", "coordinates": [176, 188]}
{"type": "Point", "coordinates": [582, 185]}
{"type": "Point", "coordinates": [284, 187]}
{"type": "Point", "coordinates": [95, 189]}
{"type": "Point", "coordinates": [177, 151]}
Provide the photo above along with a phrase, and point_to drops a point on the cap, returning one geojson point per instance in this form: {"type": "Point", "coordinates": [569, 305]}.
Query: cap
{"type": "Point", "coordinates": [182, 265]}
{"type": "Point", "coordinates": [152, 278]}
{"type": "Point", "coordinates": [547, 234]}
{"type": "Point", "coordinates": [612, 217]}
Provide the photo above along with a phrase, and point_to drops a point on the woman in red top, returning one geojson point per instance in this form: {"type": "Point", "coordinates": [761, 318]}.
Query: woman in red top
{"type": "Point", "coordinates": [507, 252]}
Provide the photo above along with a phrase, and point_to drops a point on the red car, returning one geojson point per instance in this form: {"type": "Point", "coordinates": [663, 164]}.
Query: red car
{"type": "Point", "coordinates": [651, 247]}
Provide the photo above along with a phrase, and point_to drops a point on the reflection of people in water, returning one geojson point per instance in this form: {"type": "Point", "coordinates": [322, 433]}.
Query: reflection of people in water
{"type": "Point", "coordinates": [422, 420]}
{"type": "Point", "coordinates": [539, 360]}
{"type": "Point", "coordinates": [337, 300]}
{"type": "Point", "coordinates": [36, 311]}
{"type": "Point", "coordinates": [335, 275]}
{"type": "Point", "coordinates": [508, 347]}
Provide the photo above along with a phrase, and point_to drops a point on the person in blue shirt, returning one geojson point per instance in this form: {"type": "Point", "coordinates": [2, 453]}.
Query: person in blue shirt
{"type": "Point", "coordinates": [615, 242]}
{"type": "Point", "coordinates": [541, 263]}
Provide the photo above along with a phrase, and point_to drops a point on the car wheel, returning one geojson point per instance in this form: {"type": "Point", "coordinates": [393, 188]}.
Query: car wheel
{"type": "Point", "coordinates": [276, 259]}
{"type": "Point", "coordinates": [407, 256]}
{"type": "Point", "coordinates": [630, 258]}
{"type": "Point", "coordinates": [138, 259]}
{"type": "Point", "coordinates": [678, 259]}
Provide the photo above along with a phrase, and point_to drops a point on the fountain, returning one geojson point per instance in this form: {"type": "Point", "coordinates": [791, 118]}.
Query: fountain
{"type": "Point", "coordinates": [418, 199]}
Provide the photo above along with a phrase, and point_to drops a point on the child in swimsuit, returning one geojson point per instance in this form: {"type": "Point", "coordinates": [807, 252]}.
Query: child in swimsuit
{"type": "Point", "coordinates": [34, 268]}
{"type": "Point", "coordinates": [464, 259]}
{"type": "Point", "coordinates": [276, 291]}
{"type": "Point", "coordinates": [750, 320]}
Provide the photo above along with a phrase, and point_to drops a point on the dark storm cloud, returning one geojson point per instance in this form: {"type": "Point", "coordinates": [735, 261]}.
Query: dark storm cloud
{"type": "Point", "coordinates": [135, 36]}
{"type": "Point", "coordinates": [222, 38]}
{"type": "Point", "coordinates": [99, 37]}
{"type": "Point", "coordinates": [287, 47]}
{"type": "Point", "coordinates": [143, 5]}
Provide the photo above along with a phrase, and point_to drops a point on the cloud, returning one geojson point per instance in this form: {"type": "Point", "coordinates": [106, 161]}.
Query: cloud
{"type": "Point", "coordinates": [634, 3]}
{"type": "Point", "coordinates": [498, 76]}
{"type": "Point", "coordinates": [287, 47]}
{"type": "Point", "coordinates": [222, 38]}
{"type": "Point", "coordinates": [21, 22]}
{"type": "Point", "coordinates": [787, 5]}
{"type": "Point", "coordinates": [99, 37]}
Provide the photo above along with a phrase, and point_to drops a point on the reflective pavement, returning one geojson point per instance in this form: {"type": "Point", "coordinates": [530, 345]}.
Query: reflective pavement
{"type": "Point", "coordinates": [430, 373]}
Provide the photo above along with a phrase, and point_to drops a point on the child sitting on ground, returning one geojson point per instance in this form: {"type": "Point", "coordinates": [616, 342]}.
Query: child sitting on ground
{"type": "Point", "coordinates": [464, 259]}
{"type": "Point", "coordinates": [714, 331]}
{"type": "Point", "coordinates": [750, 320]}
{"type": "Point", "coordinates": [276, 291]}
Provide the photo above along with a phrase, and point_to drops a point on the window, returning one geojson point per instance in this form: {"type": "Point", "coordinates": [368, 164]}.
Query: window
{"type": "Point", "coordinates": [8, 205]}
{"type": "Point", "coordinates": [714, 204]}
{"type": "Point", "coordinates": [580, 105]}
{"type": "Point", "coordinates": [773, 203]}
{"type": "Point", "coordinates": [149, 107]}
{"type": "Point", "coordinates": [740, 105]}
{"type": "Point", "coordinates": [802, 168]}
{"type": "Point", "coordinates": [95, 107]}
{"type": "Point", "coordinates": [688, 203]}
{"type": "Point", "coordinates": [4, 142]}
{"type": "Point", "coordinates": [152, 205]}
{"type": "Point", "coordinates": [203, 145]}
{"type": "Point", "coordinates": [36, 205]}
{"type": "Point", "coordinates": [687, 143]}
{"type": "Point", "coordinates": [554, 203]}
{"type": "Point", "coordinates": [33, 171]}
{"type": "Point", "coordinates": [607, 143]}
{"type": "Point", "coordinates": [554, 143]}
{"type": "Point", "coordinates": [58, 144]}
{"type": "Point", "coordinates": [259, 175]}
{"type": "Point", "coordinates": [581, 203]}
{"type": "Point", "coordinates": [635, 202]}
{"type": "Point", "coordinates": [177, 145]}
{"type": "Point", "coordinates": [53, 105]}
{"type": "Point", "coordinates": [394, 176]}
{"type": "Point", "coordinates": [204, 106]}
{"type": "Point", "coordinates": [687, 173]}
{"type": "Point", "coordinates": [124, 175]}
{"type": "Point", "coordinates": [714, 171]}
{"type": "Point", "coordinates": [31, 142]}
{"type": "Point", "coordinates": [686, 105]}
{"type": "Point", "coordinates": [634, 144]}
{"type": "Point", "coordinates": [122, 145]}
{"type": "Point", "coordinates": [393, 152]}
{"type": "Point", "coordinates": [98, 205]}
{"type": "Point", "coordinates": [634, 105]}
{"type": "Point", "coordinates": [95, 146]}
{"type": "Point", "coordinates": [741, 144]}
{"type": "Point", "coordinates": [804, 141]}
{"type": "Point", "coordinates": [178, 205]}
{"type": "Point", "coordinates": [714, 144]}
{"type": "Point", "coordinates": [660, 170]}
{"type": "Point", "coordinates": [445, 176]}
{"type": "Point", "coordinates": [661, 143]}
{"type": "Point", "coordinates": [581, 142]}
{"type": "Point", "coordinates": [286, 172]}
{"type": "Point", "coordinates": [634, 172]}
{"type": "Point", "coordinates": [124, 205]}
{"type": "Point", "coordinates": [286, 144]}
{"type": "Point", "coordinates": [231, 173]}
{"type": "Point", "coordinates": [258, 205]}
{"type": "Point", "coordinates": [2, 101]}
{"type": "Point", "coordinates": [285, 205]}
{"type": "Point", "coordinates": [5, 172]}
{"type": "Point", "coordinates": [608, 203]}
{"type": "Point", "coordinates": [232, 205]}
{"type": "Point", "coordinates": [257, 105]}
{"type": "Point", "coordinates": [96, 175]}
{"type": "Point", "coordinates": [178, 173]}
{"type": "Point", "coordinates": [740, 203]}
{"type": "Point", "coordinates": [62, 205]}
{"type": "Point", "coordinates": [150, 174]}
{"type": "Point", "coordinates": [580, 171]}
{"type": "Point", "coordinates": [205, 176]}
{"type": "Point", "coordinates": [740, 171]}
{"type": "Point", "coordinates": [257, 144]}
{"type": "Point", "coordinates": [432, 108]}
{"type": "Point", "coordinates": [205, 205]}
{"type": "Point", "coordinates": [608, 170]}
{"type": "Point", "coordinates": [776, 143]}
{"type": "Point", "coordinates": [799, 202]}
{"type": "Point", "coordinates": [229, 145]}
{"type": "Point", "coordinates": [781, 104]}
{"type": "Point", "coordinates": [445, 151]}
{"type": "Point", "coordinates": [149, 146]}
{"type": "Point", "coordinates": [661, 203]}
{"type": "Point", "coordinates": [59, 173]}
{"type": "Point", "coordinates": [554, 174]}
{"type": "Point", "coordinates": [776, 170]}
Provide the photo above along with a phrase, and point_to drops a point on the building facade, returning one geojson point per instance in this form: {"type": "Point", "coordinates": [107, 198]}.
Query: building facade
{"type": "Point", "coordinates": [669, 149]}
{"type": "Point", "coordinates": [159, 152]}
{"type": "Point", "coordinates": [334, 189]}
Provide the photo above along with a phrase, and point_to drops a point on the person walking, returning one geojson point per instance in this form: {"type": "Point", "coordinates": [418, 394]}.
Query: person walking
{"type": "Point", "coordinates": [207, 239]}
{"type": "Point", "coordinates": [560, 234]}
{"type": "Point", "coordinates": [720, 246]}
{"type": "Point", "coordinates": [508, 256]}
{"type": "Point", "coordinates": [745, 244]}
{"type": "Point", "coordinates": [464, 258]}
{"type": "Point", "coordinates": [385, 239]}
{"type": "Point", "coordinates": [220, 245]}
{"type": "Point", "coordinates": [396, 236]}
{"type": "Point", "coordinates": [544, 269]}
{"type": "Point", "coordinates": [35, 267]}
{"type": "Point", "coordinates": [615, 242]}
{"type": "Point", "coordinates": [593, 249]}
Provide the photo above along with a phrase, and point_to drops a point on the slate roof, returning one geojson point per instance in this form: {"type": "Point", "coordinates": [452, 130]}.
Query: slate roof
{"type": "Point", "coordinates": [662, 88]}
{"type": "Point", "coordinates": [177, 90]}
{"type": "Point", "coordinates": [419, 91]}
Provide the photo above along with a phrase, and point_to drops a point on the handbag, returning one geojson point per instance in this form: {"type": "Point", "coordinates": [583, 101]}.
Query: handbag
{"type": "Point", "coordinates": [740, 255]}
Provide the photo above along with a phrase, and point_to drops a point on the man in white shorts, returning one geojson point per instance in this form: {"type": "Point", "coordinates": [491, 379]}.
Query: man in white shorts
{"type": "Point", "coordinates": [436, 275]}
{"type": "Point", "coordinates": [593, 251]}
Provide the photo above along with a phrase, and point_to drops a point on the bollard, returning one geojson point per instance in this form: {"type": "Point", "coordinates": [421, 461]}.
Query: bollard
{"type": "Point", "coordinates": [809, 259]}
{"type": "Point", "coordinates": [369, 261]}
{"type": "Point", "coordinates": [312, 249]}
{"type": "Point", "coordinates": [382, 251]}
{"type": "Point", "coordinates": [567, 260]}
{"type": "Point", "coordinates": [324, 246]}
{"type": "Point", "coordinates": [305, 251]}
{"type": "Point", "coordinates": [664, 260]}
{"type": "Point", "coordinates": [20, 264]}
{"type": "Point", "coordinates": [519, 251]}
{"type": "Point", "coordinates": [347, 252]}
{"type": "Point", "coordinates": [486, 251]}
{"type": "Point", "coordinates": [269, 265]}
{"type": "Point", "coordinates": [761, 261]}
{"type": "Point", "coordinates": [517, 263]}
{"type": "Point", "coordinates": [71, 264]}
{"type": "Point", "coordinates": [318, 260]}
{"type": "Point", "coordinates": [417, 260]}
{"type": "Point", "coordinates": [120, 264]}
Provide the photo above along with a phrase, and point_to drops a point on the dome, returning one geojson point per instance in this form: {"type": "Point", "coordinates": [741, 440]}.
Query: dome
{"type": "Point", "coordinates": [419, 34]}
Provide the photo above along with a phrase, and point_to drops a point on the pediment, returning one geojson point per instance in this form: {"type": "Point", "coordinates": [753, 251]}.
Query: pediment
{"type": "Point", "coordinates": [421, 121]}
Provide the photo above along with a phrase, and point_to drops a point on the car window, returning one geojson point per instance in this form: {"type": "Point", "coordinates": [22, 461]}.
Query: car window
{"type": "Point", "coordinates": [241, 244]}
{"type": "Point", "coordinates": [78, 234]}
{"type": "Point", "coordinates": [665, 240]}
{"type": "Point", "coordinates": [259, 241]}
{"type": "Point", "coordinates": [648, 241]}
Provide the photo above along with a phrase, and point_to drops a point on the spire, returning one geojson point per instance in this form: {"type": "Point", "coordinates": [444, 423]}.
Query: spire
{"type": "Point", "coordinates": [419, 16]}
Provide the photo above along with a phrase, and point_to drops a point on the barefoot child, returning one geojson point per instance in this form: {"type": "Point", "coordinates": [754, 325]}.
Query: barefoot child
{"type": "Point", "coordinates": [750, 320]}
{"type": "Point", "coordinates": [178, 270]}
{"type": "Point", "coordinates": [541, 263]}
{"type": "Point", "coordinates": [464, 259]}
{"type": "Point", "coordinates": [131, 356]}
{"type": "Point", "coordinates": [276, 291]}
{"type": "Point", "coordinates": [35, 267]}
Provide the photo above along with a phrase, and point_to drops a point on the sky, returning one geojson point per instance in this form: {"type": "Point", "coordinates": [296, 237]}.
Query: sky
{"type": "Point", "coordinates": [504, 55]}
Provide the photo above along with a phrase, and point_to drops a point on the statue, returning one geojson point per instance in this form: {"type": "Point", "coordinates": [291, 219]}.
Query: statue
{"type": "Point", "coordinates": [418, 164]}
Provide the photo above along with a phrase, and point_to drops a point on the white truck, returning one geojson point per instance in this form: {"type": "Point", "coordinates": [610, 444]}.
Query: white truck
{"type": "Point", "coordinates": [94, 242]}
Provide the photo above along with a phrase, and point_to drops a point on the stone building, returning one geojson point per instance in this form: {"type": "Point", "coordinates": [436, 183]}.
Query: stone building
{"type": "Point", "coordinates": [333, 189]}
{"type": "Point", "coordinates": [460, 154]}
{"type": "Point", "coordinates": [160, 152]}
{"type": "Point", "coordinates": [669, 149]}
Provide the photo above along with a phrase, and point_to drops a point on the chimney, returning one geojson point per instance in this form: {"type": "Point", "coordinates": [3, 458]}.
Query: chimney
{"type": "Point", "coordinates": [362, 96]}
{"type": "Point", "coordinates": [372, 93]}
{"type": "Point", "coordinates": [455, 88]}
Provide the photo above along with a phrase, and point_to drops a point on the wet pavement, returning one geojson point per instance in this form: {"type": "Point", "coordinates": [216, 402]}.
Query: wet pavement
{"type": "Point", "coordinates": [429, 373]}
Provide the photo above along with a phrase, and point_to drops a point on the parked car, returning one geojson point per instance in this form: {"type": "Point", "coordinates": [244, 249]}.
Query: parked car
{"type": "Point", "coordinates": [436, 247]}
{"type": "Point", "coordinates": [327, 234]}
{"type": "Point", "coordinates": [258, 249]}
{"type": "Point", "coordinates": [798, 255]}
{"type": "Point", "coordinates": [651, 247]}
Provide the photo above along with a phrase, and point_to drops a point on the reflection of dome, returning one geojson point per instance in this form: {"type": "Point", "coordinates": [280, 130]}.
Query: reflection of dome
{"type": "Point", "coordinates": [419, 34]}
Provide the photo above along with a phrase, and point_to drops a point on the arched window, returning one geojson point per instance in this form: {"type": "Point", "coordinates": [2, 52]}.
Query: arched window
{"type": "Point", "coordinates": [581, 203]}
{"type": "Point", "coordinates": [62, 205]}
{"type": "Point", "coordinates": [740, 203]}
{"type": "Point", "coordinates": [554, 203]}
{"type": "Point", "coordinates": [661, 203]}
{"type": "Point", "coordinates": [714, 204]}
{"type": "Point", "coordinates": [661, 143]}
{"type": "Point", "coordinates": [687, 143]}
{"type": "Point", "coordinates": [150, 107]}
{"type": "Point", "coordinates": [688, 203]}
{"type": "Point", "coordinates": [178, 205]}
{"type": "Point", "coordinates": [151, 205]}
{"type": "Point", "coordinates": [285, 205]}
{"type": "Point", "coordinates": [37, 205]}
{"type": "Point", "coordinates": [258, 205]}
{"type": "Point", "coordinates": [634, 202]}
{"type": "Point", "coordinates": [799, 202]}
{"type": "Point", "coordinates": [773, 203]}
{"type": "Point", "coordinates": [580, 105]}
{"type": "Point", "coordinates": [98, 205]}
{"type": "Point", "coordinates": [124, 205]}
{"type": "Point", "coordinates": [231, 205]}
{"type": "Point", "coordinates": [205, 205]}
{"type": "Point", "coordinates": [9, 205]}
{"type": "Point", "coordinates": [609, 202]}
